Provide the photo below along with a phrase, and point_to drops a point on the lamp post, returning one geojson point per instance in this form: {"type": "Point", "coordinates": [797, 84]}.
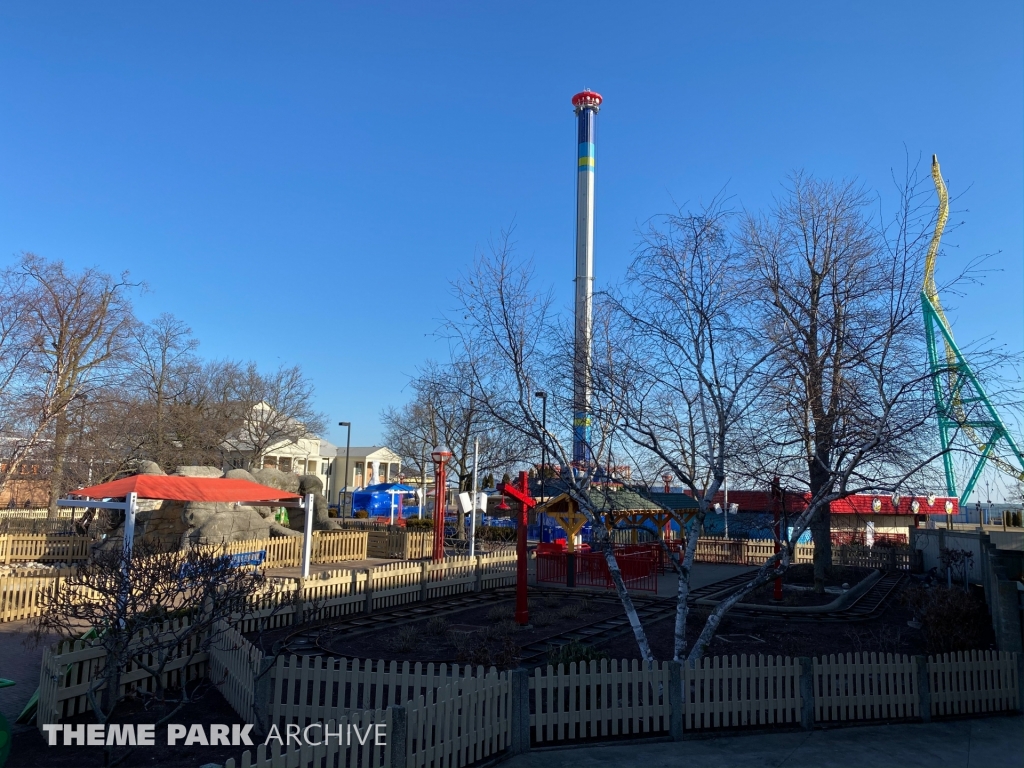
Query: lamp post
{"type": "Point", "coordinates": [440, 457]}
{"type": "Point", "coordinates": [543, 452]}
{"type": "Point", "coordinates": [344, 485]}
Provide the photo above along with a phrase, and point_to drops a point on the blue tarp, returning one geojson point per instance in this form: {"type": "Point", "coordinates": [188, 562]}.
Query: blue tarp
{"type": "Point", "coordinates": [376, 500]}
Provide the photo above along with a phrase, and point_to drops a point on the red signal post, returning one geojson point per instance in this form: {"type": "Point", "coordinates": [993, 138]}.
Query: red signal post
{"type": "Point", "coordinates": [520, 491]}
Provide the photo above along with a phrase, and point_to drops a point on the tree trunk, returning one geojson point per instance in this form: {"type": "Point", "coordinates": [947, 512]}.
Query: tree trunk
{"type": "Point", "coordinates": [821, 535]}
{"type": "Point", "coordinates": [627, 603]}
{"type": "Point", "coordinates": [821, 525]}
{"type": "Point", "coordinates": [60, 445]}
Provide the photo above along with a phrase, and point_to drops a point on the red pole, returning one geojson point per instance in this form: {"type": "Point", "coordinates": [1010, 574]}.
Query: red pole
{"type": "Point", "coordinates": [439, 508]}
{"type": "Point", "coordinates": [522, 606]}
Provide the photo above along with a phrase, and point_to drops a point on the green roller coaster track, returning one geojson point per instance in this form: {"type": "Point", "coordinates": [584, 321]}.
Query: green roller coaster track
{"type": "Point", "coordinates": [961, 403]}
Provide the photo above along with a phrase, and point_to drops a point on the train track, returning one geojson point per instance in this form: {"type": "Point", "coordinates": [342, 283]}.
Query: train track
{"type": "Point", "coordinates": [317, 640]}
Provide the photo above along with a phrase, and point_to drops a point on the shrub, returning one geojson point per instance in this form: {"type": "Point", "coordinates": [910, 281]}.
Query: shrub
{"type": "Point", "coordinates": [438, 625]}
{"type": "Point", "coordinates": [362, 514]}
{"type": "Point", "coordinates": [570, 611]}
{"type": "Point", "coordinates": [500, 613]}
{"type": "Point", "coordinates": [419, 524]}
{"type": "Point", "coordinates": [404, 639]}
{"type": "Point", "coordinates": [574, 651]}
{"type": "Point", "coordinates": [952, 619]}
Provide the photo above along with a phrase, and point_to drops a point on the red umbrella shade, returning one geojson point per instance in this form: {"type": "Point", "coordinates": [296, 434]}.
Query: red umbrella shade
{"type": "Point", "coordinates": [174, 488]}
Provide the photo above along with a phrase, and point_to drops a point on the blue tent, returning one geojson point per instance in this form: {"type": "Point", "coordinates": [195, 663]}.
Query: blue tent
{"type": "Point", "coordinates": [377, 500]}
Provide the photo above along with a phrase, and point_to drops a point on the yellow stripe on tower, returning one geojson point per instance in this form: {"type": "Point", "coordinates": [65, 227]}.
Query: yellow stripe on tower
{"type": "Point", "coordinates": [587, 161]}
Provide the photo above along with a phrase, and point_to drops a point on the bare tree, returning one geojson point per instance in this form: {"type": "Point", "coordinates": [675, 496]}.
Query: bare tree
{"type": "Point", "coordinates": [841, 306]}
{"type": "Point", "coordinates": [445, 410]}
{"type": "Point", "coordinates": [162, 360]}
{"type": "Point", "coordinates": [511, 345]}
{"type": "Point", "coordinates": [270, 409]}
{"type": "Point", "coordinates": [156, 610]}
{"type": "Point", "coordinates": [78, 326]}
{"type": "Point", "coordinates": [683, 365]}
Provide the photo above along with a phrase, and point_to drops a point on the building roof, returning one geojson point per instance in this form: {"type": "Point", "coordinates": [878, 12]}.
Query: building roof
{"type": "Point", "coordinates": [366, 451]}
{"type": "Point", "coordinates": [327, 448]}
{"type": "Point", "coordinates": [174, 488]}
{"type": "Point", "coordinates": [856, 504]}
{"type": "Point", "coordinates": [614, 500]}
{"type": "Point", "coordinates": [672, 501]}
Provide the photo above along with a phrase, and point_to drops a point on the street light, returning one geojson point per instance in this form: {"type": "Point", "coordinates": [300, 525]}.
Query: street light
{"type": "Point", "coordinates": [440, 456]}
{"type": "Point", "coordinates": [344, 487]}
{"type": "Point", "coordinates": [543, 453]}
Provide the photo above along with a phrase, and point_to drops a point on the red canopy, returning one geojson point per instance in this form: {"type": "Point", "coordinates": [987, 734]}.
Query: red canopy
{"type": "Point", "coordinates": [173, 488]}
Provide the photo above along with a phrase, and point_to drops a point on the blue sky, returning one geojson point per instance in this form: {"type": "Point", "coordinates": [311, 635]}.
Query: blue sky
{"type": "Point", "coordinates": [299, 182]}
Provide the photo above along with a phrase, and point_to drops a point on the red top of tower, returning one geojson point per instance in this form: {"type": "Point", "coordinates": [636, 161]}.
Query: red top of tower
{"type": "Point", "coordinates": [587, 99]}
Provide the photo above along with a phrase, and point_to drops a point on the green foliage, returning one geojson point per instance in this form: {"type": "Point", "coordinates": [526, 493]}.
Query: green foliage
{"type": "Point", "coordinates": [362, 514]}
{"type": "Point", "coordinates": [574, 652]}
{"type": "Point", "coordinates": [419, 524]}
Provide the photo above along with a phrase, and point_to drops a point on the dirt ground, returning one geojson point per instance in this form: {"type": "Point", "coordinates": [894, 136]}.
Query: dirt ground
{"type": "Point", "coordinates": [29, 748]}
{"type": "Point", "coordinates": [475, 636]}
{"type": "Point", "coordinates": [797, 583]}
{"type": "Point", "coordinates": [737, 634]}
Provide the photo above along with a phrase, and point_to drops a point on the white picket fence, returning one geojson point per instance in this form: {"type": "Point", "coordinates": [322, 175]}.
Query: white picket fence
{"type": "Point", "coordinates": [307, 689]}
{"type": "Point", "coordinates": [723, 692]}
{"type": "Point", "coordinates": [865, 687]}
{"type": "Point", "coordinates": [234, 665]}
{"type": "Point", "coordinates": [461, 723]}
{"type": "Point", "coordinates": [350, 750]}
{"type": "Point", "coordinates": [600, 698]}
{"type": "Point", "coordinates": [973, 682]}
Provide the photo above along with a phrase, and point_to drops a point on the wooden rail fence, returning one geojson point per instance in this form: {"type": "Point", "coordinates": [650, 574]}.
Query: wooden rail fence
{"type": "Point", "coordinates": [69, 669]}
{"type": "Point", "coordinates": [43, 548]}
{"type": "Point", "coordinates": [400, 544]}
{"type": "Point", "coordinates": [22, 594]}
{"type": "Point", "coordinates": [346, 591]}
{"type": "Point", "coordinates": [714, 549]}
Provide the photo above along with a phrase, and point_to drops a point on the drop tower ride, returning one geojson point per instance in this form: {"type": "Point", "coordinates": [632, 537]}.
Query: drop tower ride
{"type": "Point", "coordinates": [586, 105]}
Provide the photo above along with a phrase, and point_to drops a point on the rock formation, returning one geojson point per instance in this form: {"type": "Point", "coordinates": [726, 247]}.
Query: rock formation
{"type": "Point", "coordinates": [169, 524]}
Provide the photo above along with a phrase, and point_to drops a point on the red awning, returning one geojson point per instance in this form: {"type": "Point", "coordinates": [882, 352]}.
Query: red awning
{"type": "Point", "coordinates": [173, 488]}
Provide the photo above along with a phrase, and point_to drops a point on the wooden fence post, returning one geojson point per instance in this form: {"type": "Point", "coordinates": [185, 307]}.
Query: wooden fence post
{"type": "Point", "coordinates": [520, 714]}
{"type": "Point", "coordinates": [924, 689]}
{"type": "Point", "coordinates": [399, 736]}
{"type": "Point", "coordinates": [423, 582]}
{"type": "Point", "coordinates": [369, 590]}
{"type": "Point", "coordinates": [300, 602]}
{"type": "Point", "coordinates": [261, 692]}
{"type": "Point", "coordinates": [479, 575]}
{"type": "Point", "coordinates": [675, 700]}
{"type": "Point", "coordinates": [806, 692]}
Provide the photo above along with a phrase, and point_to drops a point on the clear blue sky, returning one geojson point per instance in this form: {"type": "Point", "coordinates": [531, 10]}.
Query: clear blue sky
{"type": "Point", "coordinates": [299, 182]}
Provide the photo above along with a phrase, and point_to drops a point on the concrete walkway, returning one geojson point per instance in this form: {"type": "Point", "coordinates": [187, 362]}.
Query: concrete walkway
{"type": "Point", "coordinates": [993, 742]}
{"type": "Point", "coordinates": [20, 660]}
